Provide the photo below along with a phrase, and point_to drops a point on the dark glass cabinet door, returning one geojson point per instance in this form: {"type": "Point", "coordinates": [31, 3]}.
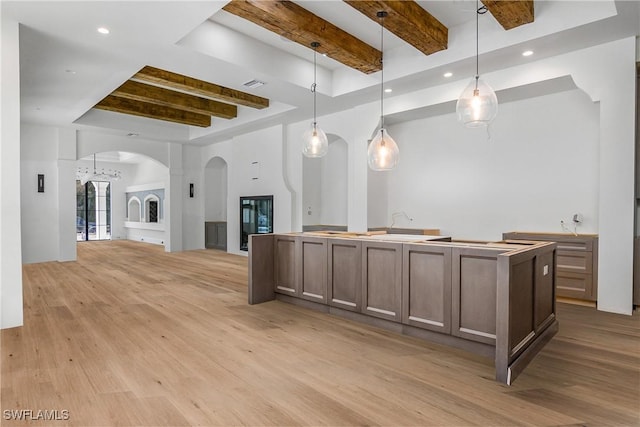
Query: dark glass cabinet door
{"type": "Point", "coordinates": [256, 217]}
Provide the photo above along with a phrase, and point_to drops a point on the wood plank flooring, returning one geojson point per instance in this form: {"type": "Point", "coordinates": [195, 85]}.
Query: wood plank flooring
{"type": "Point", "coordinates": [131, 335]}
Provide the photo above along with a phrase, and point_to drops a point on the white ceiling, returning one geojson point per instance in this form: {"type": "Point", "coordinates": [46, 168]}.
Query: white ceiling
{"type": "Point", "coordinates": [67, 66]}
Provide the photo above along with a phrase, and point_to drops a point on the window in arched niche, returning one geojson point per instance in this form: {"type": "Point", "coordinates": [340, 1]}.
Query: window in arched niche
{"type": "Point", "coordinates": [152, 208]}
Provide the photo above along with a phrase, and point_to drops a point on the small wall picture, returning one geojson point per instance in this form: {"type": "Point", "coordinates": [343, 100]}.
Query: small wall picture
{"type": "Point", "coordinates": [40, 183]}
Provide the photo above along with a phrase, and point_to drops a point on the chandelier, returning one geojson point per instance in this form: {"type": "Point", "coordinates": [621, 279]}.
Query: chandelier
{"type": "Point", "coordinates": [84, 175]}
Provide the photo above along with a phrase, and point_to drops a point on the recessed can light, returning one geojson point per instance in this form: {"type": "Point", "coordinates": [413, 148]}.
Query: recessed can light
{"type": "Point", "coordinates": [388, 90]}
{"type": "Point", "coordinates": [448, 74]}
{"type": "Point", "coordinates": [103, 30]}
{"type": "Point", "coordinates": [69, 71]}
{"type": "Point", "coordinates": [527, 53]}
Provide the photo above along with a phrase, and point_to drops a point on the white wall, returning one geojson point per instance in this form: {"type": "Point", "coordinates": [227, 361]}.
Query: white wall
{"type": "Point", "coordinates": [193, 207]}
{"type": "Point", "coordinates": [148, 171]}
{"type": "Point", "coordinates": [39, 213]}
{"type": "Point", "coordinates": [215, 176]}
{"type": "Point", "coordinates": [10, 242]}
{"type": "Point", "coordinates": [355, 127]}
{"type": "Point", "coordinates": [378, 198]}
{"type": "Point", "coordinates": [325, 186]}
{"type": "Point", "coordinates": [149, 174]}
{"type": "Point", "coordinates": [312, 191]}
{"type": "Point", "coordinates": [265, 147]}
{"type": "Point", "coordinates": [540, 166]}
{"type": "Point", "coordinates": [334, 186]}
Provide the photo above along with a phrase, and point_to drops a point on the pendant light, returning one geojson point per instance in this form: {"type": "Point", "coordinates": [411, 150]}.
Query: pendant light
{"type": "Point", "coordinates": [315, 140]}
{"type": "Point", "coordinates": [383, 151]}
{"type": "Point", "coordinates": [83, 174]}
{"type": "Point", "coordinates": [477, 105]}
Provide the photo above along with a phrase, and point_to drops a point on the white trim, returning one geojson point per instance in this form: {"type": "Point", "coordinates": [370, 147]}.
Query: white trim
{"type": "Point", "coordinates": [158, 226]}
{"type": "Point", "coordinates": [144, 187]}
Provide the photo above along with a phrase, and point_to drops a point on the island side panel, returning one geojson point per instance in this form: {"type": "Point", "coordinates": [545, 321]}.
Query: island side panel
{"type": "Point", "coordinates": [525, 293]}
{"type": "Point", "coordinates": [345, 274]}
{"type": "Point", "coordinates": [261, 275]}
{"type": "Point", "coordinates": [545, 288]}
{"type": "Point", "coordinates": [426, 287]}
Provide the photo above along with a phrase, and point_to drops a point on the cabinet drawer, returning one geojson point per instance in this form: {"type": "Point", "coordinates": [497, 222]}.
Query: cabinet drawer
{"type": "Point", "coordinates": [575, 285]}
{"type": "Point", "coordinates": [564, 241]}
{"type": "Point", "coordinates": [574, 261]}
{"type": "Point", "coordinates": [576, 244]}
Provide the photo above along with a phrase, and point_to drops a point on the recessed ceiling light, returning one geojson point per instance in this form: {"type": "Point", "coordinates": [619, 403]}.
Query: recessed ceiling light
{"type": "Point", "coordinates": [388, 90]}
{"type": "Point", "coordinates": [527, 53]}
{"type": "Point", "coordinates": [132, 134]}
{"type": "Point", "coordinates": [448, 74]}
{"type": "Point", "coordinates": [70, 71]}
{"type": "Point", "coordinates": [324, 54]}
{"type": "Point", "coordinates": [103, 30]}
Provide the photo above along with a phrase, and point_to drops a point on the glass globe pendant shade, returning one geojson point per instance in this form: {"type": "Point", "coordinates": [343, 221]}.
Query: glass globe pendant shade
{"type": "Point", "coordinates": [477, 105]}
{"type": "Point", "coordinates": [315, 142]}
{"type": "Point", "coordinates": [383, 153]}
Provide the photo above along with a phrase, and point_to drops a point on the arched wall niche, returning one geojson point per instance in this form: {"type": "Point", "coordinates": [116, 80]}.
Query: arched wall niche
{"type": "Point", "coordinates": [325, 189]}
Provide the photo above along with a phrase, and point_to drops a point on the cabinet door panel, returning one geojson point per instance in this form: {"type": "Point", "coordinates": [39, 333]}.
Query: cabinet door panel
{"type": "Point", "coordinates": [285, 264]}
{"type": "Point", "coordinates": [313, 252]}
{"type": "Point", "coordinates": [426, 287]}
{"type": "Point", "coordinates": [382, 280]}
{"type": "Point", "coordinates": [474, 278]}
{"type": "Point", "coordinates": [345, 274]}
{"type": "Point", "coordinates": [221, 235]}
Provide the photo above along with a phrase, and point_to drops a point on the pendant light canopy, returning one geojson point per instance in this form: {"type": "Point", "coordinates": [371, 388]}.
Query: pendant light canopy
{"type": "Point", "coordinates": [477, 105]}
{"type": "Point", "coordinates": [383, 153]}
{"type": "Point", "coordinates": [315, 140]}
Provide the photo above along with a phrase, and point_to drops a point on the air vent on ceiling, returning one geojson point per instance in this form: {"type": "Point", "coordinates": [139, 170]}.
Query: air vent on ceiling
{"type": "Point", "coordinates": [254, 83]}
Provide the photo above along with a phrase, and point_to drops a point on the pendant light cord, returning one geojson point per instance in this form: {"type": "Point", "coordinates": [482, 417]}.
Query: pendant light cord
{"type": "Point", "coordinates": [480, 10]}
{"type": "Point", "coordinates": [313, 86]}
{"type": "Point", "coordinates": [381, 15]}
{"type": "Point", "coordinates": [477, 37]}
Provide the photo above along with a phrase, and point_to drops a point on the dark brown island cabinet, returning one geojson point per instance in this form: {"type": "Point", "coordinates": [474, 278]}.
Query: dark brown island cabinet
{"type": "Point", "coordinates": [577, 262]}
{"type": "Point", "coordinates": [495, 299]}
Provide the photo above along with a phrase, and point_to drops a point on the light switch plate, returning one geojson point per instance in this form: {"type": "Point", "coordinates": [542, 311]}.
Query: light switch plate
{"type": "Point", "coordinates": [545, 270]}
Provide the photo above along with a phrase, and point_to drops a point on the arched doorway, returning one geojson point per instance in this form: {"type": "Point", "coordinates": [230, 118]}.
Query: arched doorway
{"type": "Point", "coordinates": [121, 195]}
{"type": "Point", "coordinates": [215, 204]}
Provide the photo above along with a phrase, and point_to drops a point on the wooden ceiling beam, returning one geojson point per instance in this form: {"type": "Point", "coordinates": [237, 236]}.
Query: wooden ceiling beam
{"type": "Point", "coordinates": [153, 111]}
{"type": "Point", "coordinates": [511, 13]}
{"type": "Point", "coordinates": [407, 20]}
{"type": "Point", "coordinates": [170, 98]}
{"type": "Point", "coordinates": [199, 87]}
{"type": "Point", "coordinates": [301, 26]}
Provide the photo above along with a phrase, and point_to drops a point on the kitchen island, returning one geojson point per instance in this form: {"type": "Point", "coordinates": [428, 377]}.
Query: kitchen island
{"type": "Point", "coordinates": [496, 299]}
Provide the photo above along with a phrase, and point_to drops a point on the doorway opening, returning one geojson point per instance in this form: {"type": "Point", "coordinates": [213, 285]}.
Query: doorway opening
{"type": "Point", "coordinates": [93, 210]}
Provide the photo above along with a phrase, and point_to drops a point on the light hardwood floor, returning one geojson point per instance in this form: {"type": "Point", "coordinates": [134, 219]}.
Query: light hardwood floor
{"type": "Point", "coordinates": [130, 335]}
